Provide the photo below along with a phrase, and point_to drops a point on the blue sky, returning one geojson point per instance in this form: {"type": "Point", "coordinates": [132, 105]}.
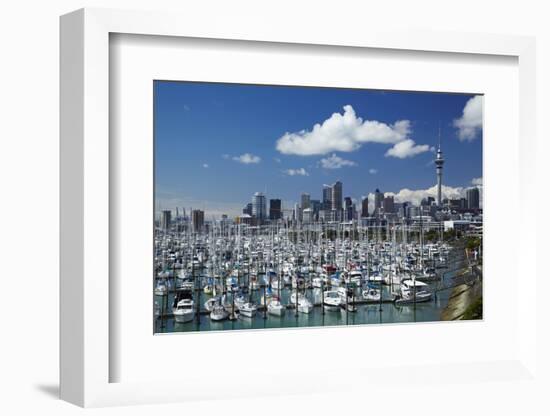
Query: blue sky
{"type": "Point", "coordinates": [217, 144]}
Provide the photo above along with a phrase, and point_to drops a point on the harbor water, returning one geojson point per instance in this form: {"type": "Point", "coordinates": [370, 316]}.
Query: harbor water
{"type": "Point", "coordinates": [375, 313]}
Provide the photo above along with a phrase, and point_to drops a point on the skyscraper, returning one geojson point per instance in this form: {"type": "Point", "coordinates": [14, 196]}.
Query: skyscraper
{"type": "Point", "coordinates": [315, 205]}
{"type": "Point", "coordinates": [297, 213]}
{"type": "Point", "coordinates": [259, 209]}
{"type": "Point", "coordinates": [307, 215]}
{"type": "Point", "coordinates": [305, 199]}
{"type": "Point", "coordinates": [388, 204]}
{"type": "Point", "coordinates": [197, 217]}
{"type": "Point", "coordinates": [348, 206]}
{"type": "Point", "coordinates": [166, 219]}
{"type": "Point", "coordinates": [378, 198]}
{"type": "Point", "coordinates": [365, 207]}
{"type": "Point", "coordinates": [472, 198]}
{"type": "Point", "coordinates": [275, 212]}
{"type": "Point", "coordinates": [327, 198]}
{"type": "Point", "coordinates": [248, 209]}
{"type": "Point", "coordinates": [336, 194]}
{"type": "Point", "coordinates": [439, 169]}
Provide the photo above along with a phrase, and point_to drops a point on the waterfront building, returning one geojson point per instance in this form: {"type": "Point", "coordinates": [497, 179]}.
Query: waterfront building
{"type": "Point", "coordinates": [275, 212]}
{"type": "Point", "coordinates": [197, 218]}
{"type": "Point", "coordinates": [259, 210]}
{"type": "Point", "coordinates": [472, 197]}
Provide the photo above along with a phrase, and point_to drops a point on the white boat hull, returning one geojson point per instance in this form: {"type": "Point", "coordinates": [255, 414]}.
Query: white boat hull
{"type": "Point", "coordinates": [276, 310]}
{"type": "Point", "coordinates": [331, 307]}
{"type": "Point", "coordinates": [305, 308]}
{"type": "Point", "coordinates": [183, 316]}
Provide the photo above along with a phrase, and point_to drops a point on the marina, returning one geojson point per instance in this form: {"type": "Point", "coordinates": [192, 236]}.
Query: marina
{"type": "Point", "coordinates": [243, 277]}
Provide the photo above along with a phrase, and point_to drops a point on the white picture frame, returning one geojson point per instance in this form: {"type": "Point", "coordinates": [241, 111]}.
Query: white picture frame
{"type": "Point", "coordinates": [85, 352]}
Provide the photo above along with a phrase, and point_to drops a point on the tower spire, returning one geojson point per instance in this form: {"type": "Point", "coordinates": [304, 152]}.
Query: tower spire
{"type": "Point", "coordinates": [439, 138]}
{"type": "Point", "coordinates": [439, 167]}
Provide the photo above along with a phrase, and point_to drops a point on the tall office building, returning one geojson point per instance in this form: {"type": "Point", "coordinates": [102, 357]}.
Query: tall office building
{"type": "Point", "coordinates": [307, 215]}
{"type": "Point", "coordinates": [305, 200]}
{"type": "Point", "coordinates": [297, 213]}
{"type": "Point", "coordinates": [259, 209]}
{"type": "Point", "coordinates": [428, 201]}
{"type": "Point", "coordinates": [248, 209]}
{"type": "Point", "coordinates": [336, 194]}
{"type": "Point", "coordinates": [365, 207]}
{"type": "Point", "coordinates": [316, 207]}
{"type": "Point", "coordinates": [378, 198]}
{"type": "Point", "coordinates": [327, 198]}
{"type": "Point", "coordinates": [197, 216]}
{"type": "Point", "coordinates": [388, 205]}
{"type": "Point", "coordinates": [348, 208]}
{"type": "Point", "coordinates": [166, 219]}
{"type": "Point", "coordinates": [472, 198]}
{"type": "Point", "coordinates": [275, 212]}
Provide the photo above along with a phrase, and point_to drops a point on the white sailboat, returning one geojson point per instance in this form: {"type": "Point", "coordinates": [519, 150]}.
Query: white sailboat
{"type": "Point", "coordinates": [275, 307]}
{"type": "Point", "coordinates": [304, 304]}
{"type": "Point", "coordinates": [218, 313]}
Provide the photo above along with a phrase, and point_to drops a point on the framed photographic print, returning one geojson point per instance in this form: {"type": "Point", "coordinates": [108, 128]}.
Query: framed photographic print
{"type": "Point", "coordinates": [280, 200]}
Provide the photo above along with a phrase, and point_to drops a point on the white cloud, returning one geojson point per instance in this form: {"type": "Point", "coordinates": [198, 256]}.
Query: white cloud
{"type": "Point", "coordinates": [407, 148]}
{"type": "Point", "coordinates": [226, 156]}
{"type": "Point", "coordinates": [373, 171]}
{"type": "Point", "coordinates": [471, 121]}
{"type": "Point", "coordinates": [205, 165]}
{"type": "Point", "coordinates": [276, 159]}
{"type": "Point", "coordinates": [343, 133]}
{"type": "Point", "coordinates": [186, 107]}
{"type": "Point", "coordinates": [247, 158]}
{"type": "Point", "coordinates": [477, 181]}
{"type": "Point", "coordinates": [335, 162]}
{"type": "Point", "coordinates": [416, 196]}
{"type": "Point", "coordinates": [296, 172]}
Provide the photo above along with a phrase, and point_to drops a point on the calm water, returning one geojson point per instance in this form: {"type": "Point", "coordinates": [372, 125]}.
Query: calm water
{"type": "Point", "coordinates": [366, 314]}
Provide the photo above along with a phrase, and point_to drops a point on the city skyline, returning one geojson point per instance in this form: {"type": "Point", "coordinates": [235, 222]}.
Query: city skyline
{"type": "Point", "coordinates": [298, 139]}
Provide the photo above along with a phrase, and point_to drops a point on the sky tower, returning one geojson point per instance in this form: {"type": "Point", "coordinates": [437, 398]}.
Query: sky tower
{"type": "Point", "coordinates": [439, 169]}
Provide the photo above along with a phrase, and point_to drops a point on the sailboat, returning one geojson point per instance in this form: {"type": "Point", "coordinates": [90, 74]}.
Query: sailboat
{"type": "Point", "coordinates": [275, 307]}
{"type": "Point", "coordinates": [304, 304]}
